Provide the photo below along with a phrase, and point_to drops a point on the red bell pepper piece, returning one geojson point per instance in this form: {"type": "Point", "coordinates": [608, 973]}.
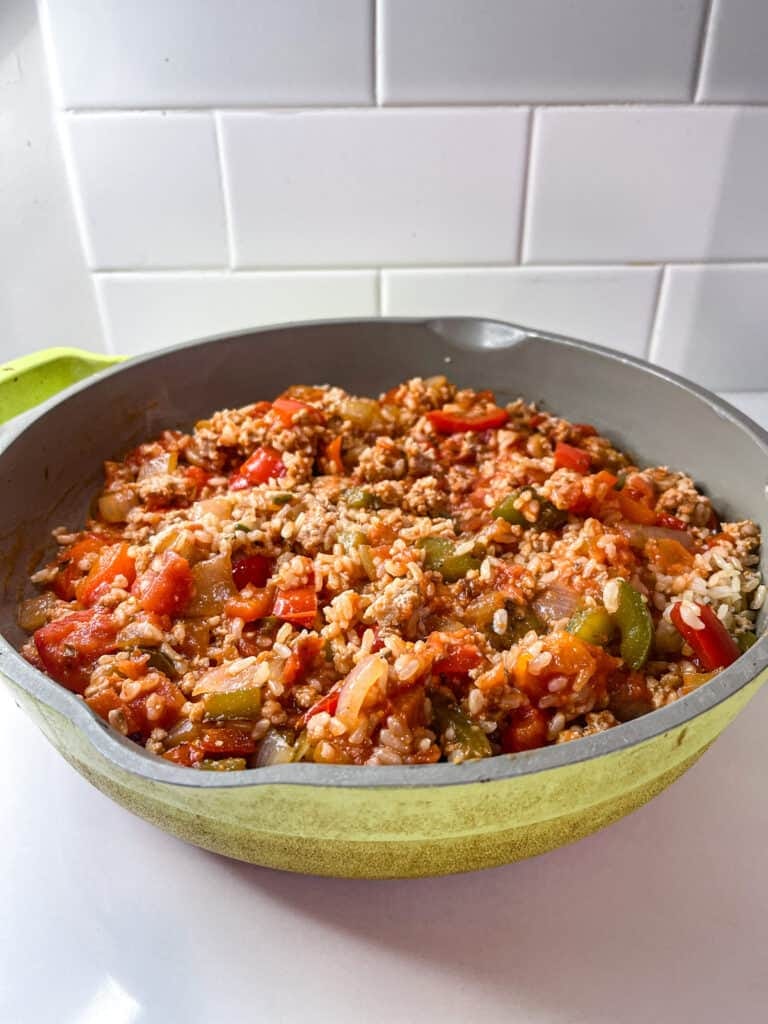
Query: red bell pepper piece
{"type": "Point", "coordinates": [670, 522]}
{"type": "Point", "coordinates": [255, 569]}
{"type": "Point", "coordinates": [69, 573]}
{"type": "Point", "coordinates": [227, 741]}
{"type": "Point", "coordinates": [286, 409]}
{"type": "Point", "coordinates": [251, 604]}
{"type": "Point", "coordinates": [459, 661]}
{"type": "Point", "coordinates": [527, 730]}
{"type": "Point", "coordinates": [265, 464]}
{"type": "Point", "coordinates": [298, 605]}
{"type": "Point", "coordinates": [713, 645]}
{"type": "Point", "coordinates": [569, 457]}
{"type": "Point", "coordinates": [68, 648]}
{"type": "Point", "coordinates": [112, 561]}
{"type": "Point", "coordinates": [333, 454]}
{"type": "Point", "coordinates": [327, 703]}
{"type": "Point", "coordinates": [166, 587]}
{"type": "Point", "coordinates": [446, 422]}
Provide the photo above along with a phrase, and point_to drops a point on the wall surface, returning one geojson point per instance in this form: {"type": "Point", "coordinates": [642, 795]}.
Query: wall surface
{"type": "Point", "coordinates": [595, 168]}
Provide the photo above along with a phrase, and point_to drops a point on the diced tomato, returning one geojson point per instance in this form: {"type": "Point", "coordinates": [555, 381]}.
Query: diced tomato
{"type": "Point", "coordinates": [166, 587]}
{"type": "Point", "coordinates": [69, 561]}
{"type": "Point", "coordinates": [103, 702]}
{"type": "Point", "coordinates": [198, 476]}
{"type": "Point", "coordinates": [333, 454]}
{"type": "Point", "coordinates": [160, 709]}
{"type": "Point", "coordinates": [251, 604]}
{"type": "Point", "coordinates": [112, 561]}
{"type": "Point", "coordinates": [713, 645]}
{"type": "Point", "coordinates": [327, 703]}
{"type": "Point", "coordinates": [603, 483]}
{"type": "Point", "coordinates": [585, 429]}
{"type": "Point", "coordinates": [227, 741]}
{"type": "Point", "coordinates": [668, 556]}
{"type": "Point", "coordinates": [637, 500]}
{"type": "Point", "coordinates": [446, 422]}
{"type": "Point", "coordinates": [569, 457]}
{"type": "Point", "coordinates": [298, 605]}
{"type": "Point", "coordinates": [526, 731]}
{"type": "Point", "coordinates": [458, 661]}
{"type": "Point", "coordinates": [68, 647]}
{"type": "Point", "coordinates": [265, 464]}
{"type": "Point", "coordinates": [286, 409]}
{"type": "Point", "coordinates": [670, 522]}
{"type": "Point", "coordinates": [186, 754]}
{"type": "Point", "coordinates": [255, 569]}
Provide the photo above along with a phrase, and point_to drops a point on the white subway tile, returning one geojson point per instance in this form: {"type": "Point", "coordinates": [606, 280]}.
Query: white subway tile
{"type": "Point", "coordinates": [379, 186]}
{"type": "Point", "coordinates": [659, 183]}
{"type": "Point", "coordinates": [735, 65]}
{"type": "Point", "coordinates": [712, 325]}
{"type": "Point", "coordinates": [149, 311]}
{"type": "Point", "coordinates": [537, 50]}
{"type": "Point", "coordinates": [150, 189]}
{"type": "Point", "coordinates": [191, 53]}
{"type": "Point", "coordinates": [609, 306]}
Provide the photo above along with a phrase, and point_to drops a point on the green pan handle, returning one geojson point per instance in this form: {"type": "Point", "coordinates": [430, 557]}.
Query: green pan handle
{"type": "Point", "coordinates": [26, 382]}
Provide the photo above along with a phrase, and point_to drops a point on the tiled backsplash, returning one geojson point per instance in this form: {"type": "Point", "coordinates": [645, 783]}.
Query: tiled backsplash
{"type": "Point", "coordinates": [595, 168]}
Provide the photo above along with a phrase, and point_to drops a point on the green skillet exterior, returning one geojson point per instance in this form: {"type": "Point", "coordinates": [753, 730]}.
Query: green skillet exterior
{"type": "Point", "coordinates": [400, 832]}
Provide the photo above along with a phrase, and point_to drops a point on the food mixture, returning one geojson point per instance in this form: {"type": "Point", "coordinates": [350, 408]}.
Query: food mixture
{"type": "Point", "coordinates": [423, 577]}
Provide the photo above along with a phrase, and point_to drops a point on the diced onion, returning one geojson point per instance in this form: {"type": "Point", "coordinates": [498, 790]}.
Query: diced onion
{"type": "Point", "coordinates": [161, 465]}
{"type": "Point", "coordinates": [214, 586]}
{"type": "Point", "coordinates": [114, 506]}
{"type": "Point", "coordinates": [555, 602]}
{"type": "Point", "coordinates": [33, 613]}
{"type": "Point", "coordinates": [638, 536]}
{"type": "Point", "coordinates": [274, 749]}
{"type": "Point", "coordinates": [234, 675]}
{"type": "Point", "coordinates": [367, 675]}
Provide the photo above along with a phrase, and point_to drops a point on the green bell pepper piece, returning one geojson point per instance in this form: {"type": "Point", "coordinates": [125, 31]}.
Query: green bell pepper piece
{"type": "Point", "coordinates": [592, 625]}
{"type": "Point", "coordinates": [635, 624]}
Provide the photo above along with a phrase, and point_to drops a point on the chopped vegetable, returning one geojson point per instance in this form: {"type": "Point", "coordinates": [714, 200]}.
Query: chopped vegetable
{"type": "Point", "coordinates": [250, 604]}
{"type": "Point", "coordinates": [254, 569]}
{"type": "Point", "coordinates": [213, 586]}
{"type": "Point", "coordinates": [459, 661]}
{"type": "Point", "coordinates": [447, 421]}
{"type": "Point", "coordinates": [265, 464]}
{"type": "Point", "coordinates": [460, 737]}
{"type": "Point", "coordinates": [592, 625]}
{"type": "Point", "coordinates": [636, 626]}
{"type": "Point", "coordinates": [569, 457]}
{"type": "Point", "coordinates": [548, 517]}
{"type": "Point", "coordinates": [333, 454]}
{"type": "Point", "coordinates": [274, 749]}
{"type": "Point", "coordinates": [358, 497]}
{"type": "Point", "coordinates": [367, 677]}
{"type": "Point", "coordinates": [227, 740]}
{"type": "Point", "coordinates": [224, 764]}
{"type": "Point", "coordinates": [711, 642]}
{"type": "Point", "coordinates": [440, 556]}
{"type": "Point", "coordinates": [527, 730]}
{"type": "Point", "coordinates": [68, 648]}
{"type": "Point", "coordinates": [745, 640]}
{"type": "Point", "coordinates": [288, 408]}
{"type": "Point", "coordinates": [111, 562]}
{"type": "Point", "coordinates": [244, 703]}
{"type": "Point", "coordinates": [166, 587]}
{"type": "Point", "coordinates": [298, 605]}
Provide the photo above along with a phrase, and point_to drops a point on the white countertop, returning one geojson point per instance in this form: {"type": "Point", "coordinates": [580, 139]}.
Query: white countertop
{"type": "Point", "coordinates": [661, 917]}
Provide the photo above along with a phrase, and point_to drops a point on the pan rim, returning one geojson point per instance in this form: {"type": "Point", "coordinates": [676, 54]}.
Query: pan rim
{"type": "Point", "coordinates": [135, 760]}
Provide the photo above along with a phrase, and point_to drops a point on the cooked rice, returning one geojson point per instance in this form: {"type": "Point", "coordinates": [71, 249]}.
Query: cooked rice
{"type": "Point", "coordinates": [387, 588]}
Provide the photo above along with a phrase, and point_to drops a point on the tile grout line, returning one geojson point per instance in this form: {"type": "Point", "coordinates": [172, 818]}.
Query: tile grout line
{"type": "Point", "coordinates": [376, 54]}
{"type": "Point", "coordinates": [224, 185]}
{"type": "Point", "coordinates": [701, 51]}
{"type": "Point", "coordinates": [651, 346]}
{"type": "Point", "coordinates": [424, 107]}
{"type": "Point", "coordinates": [524, 197]}
{"type": "Point", "coordinates": [461, 268]}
